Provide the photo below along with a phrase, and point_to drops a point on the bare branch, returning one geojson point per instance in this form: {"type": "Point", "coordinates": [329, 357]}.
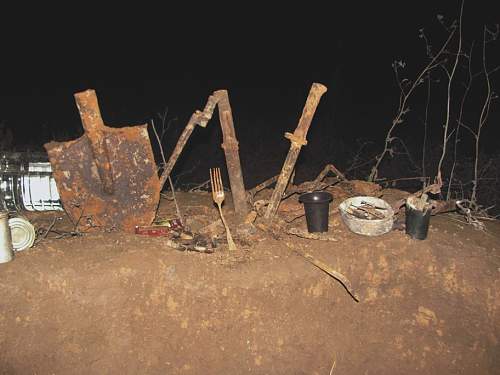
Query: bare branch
{"type": "Point", "coordinates": [448, 103]}
{"type": "Point", "coordinates": [164, 162]}
{"type": "Point", "coordinates": [403, 100]}
{"type": "Point", "coordinates": [459, 120]}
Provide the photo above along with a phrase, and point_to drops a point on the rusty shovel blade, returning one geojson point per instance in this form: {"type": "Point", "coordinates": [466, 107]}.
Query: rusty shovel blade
{"type": "Point", "coordinates": [107, 179]}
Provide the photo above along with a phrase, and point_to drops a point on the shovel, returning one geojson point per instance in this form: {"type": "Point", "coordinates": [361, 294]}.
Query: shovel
{"type": "Point", "coordinates": [107, 179]}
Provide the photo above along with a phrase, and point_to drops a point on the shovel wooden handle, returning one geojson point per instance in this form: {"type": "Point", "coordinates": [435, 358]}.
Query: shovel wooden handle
{"type": "Point", "coordinates": [90, 114]}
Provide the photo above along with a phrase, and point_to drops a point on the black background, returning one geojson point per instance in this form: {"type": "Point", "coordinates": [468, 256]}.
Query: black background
{"type": "Point", "coordinates": [142, 60]}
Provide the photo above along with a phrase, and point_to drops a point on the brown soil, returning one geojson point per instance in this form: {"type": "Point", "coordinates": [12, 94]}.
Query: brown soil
{"type": "Point", "coordinates": [113, 303]}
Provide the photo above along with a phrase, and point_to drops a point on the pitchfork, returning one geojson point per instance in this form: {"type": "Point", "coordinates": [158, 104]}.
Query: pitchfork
{"type": "Point", "coordinates": [218, 197]}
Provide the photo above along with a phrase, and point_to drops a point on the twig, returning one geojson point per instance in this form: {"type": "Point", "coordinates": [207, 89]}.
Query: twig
{"type": "Point", "coordinates": [186, 172]}
{"type": "Point", "coordinates": [334, 364]}
{"type": "Point", "coordinates": [50, 227]}
{"type": "Point", "coordinates": [407, 153]}
{"type": "Point", "coordinates": [199, 186]}
{"type": "Point", "coordinates": [355, 159]}
{"type": "Point", "coordinates": [317, 183]}
{"type": "Point", "coordinates": [330, 271]}
{"type": "Point", "coordinates": [482, 118]}
{"type": "Point", "coordinates": [44, 236]}
{"type": "Point", "coordinates": [329, 168]}
{"type": "Point", "coordinates": [404, 96]}
{"type": "Point", "coordinates": [459, 120]}
{"type": "Point", "coordinates": [386, 181]}
{"type": "Point", "coordinates": [165, 126]}
{"type": "Point", "coordinates": [448, 102]}
{"type": "Point", "coordinates": [426, 120]}
{"type": "Point", "coordinates": [469, 217]}
{"type": "Point", "coordinates": [310, 236]}
{"type": "Point", "coordinates": [215, 227]}
{"type": "Point", "coordinates": [76, 223]}
{"type": "Point", "coordinates": [369, 213]}
{"type": "Point", "coordinates": [177, 209]}
{"type": "Point", "coordinates": [263, 185]}
{"type": "Point", "coordinates": [164, 162]}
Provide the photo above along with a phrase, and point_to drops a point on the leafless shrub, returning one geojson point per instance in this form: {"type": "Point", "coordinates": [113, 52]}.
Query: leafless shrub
{"type": "Point", "coordinates": [472, 178]}
{"type": "Point", "coordinates": [407, 87]}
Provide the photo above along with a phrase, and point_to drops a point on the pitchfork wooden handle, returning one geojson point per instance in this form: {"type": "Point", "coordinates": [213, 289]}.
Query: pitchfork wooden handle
{"type": "Point", "coordinates": [90, 114]}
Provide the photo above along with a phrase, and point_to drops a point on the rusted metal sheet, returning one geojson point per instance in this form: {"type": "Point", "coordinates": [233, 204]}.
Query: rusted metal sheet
{"type": "Point", "coordinates": [107, 179]}
{"type": "Point", "coordinates": [230, 147]}
{"type": "Point", "coordinates": [297, 139]}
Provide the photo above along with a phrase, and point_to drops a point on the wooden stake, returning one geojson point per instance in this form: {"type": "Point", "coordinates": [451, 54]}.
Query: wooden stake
{"type": "Point", "coordinates": [230, 147]}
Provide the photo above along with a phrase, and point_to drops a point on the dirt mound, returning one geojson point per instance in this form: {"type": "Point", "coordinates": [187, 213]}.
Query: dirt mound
{"type": "Point", "coordinates": [127, 304]}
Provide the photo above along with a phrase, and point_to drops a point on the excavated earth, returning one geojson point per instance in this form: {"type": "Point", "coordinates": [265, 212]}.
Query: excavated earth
{"type": "Point", "coordinates": [114, 303]}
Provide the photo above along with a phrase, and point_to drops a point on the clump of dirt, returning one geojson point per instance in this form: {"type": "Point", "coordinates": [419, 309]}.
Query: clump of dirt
{"type": "Point", "coordinates": [128, 304]}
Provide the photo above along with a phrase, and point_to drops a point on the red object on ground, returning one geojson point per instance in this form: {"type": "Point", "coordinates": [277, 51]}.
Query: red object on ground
{"type": "Point", "coordinates": [159, 230]}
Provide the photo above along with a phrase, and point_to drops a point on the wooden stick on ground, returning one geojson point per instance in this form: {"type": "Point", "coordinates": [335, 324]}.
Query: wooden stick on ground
{"type": "Point", "coordinates": [310, 236]}
{"type": "Point", "coordinates": [330, 271]}
{"type": "Point", "coordinates": [316, 184]}
{"type": "Point", "coordinates": [324, 172]}
{"type": "Point", "coordinates": [263, 185]}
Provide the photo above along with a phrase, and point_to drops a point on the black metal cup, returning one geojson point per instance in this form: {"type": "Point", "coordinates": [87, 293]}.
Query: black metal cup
{"type": "Point", "coordinates": [417, 222]}
{"type": "Point", "coordinates": [316, 206]}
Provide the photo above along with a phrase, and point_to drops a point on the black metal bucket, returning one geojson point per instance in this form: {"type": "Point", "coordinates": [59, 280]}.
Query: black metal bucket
{"type": "Point", "coordinates": [316, 206]}
{"type": "Point", "coordinates": [417, 221]}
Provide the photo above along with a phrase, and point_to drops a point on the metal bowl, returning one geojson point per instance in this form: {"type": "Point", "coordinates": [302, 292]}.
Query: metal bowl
{"type": "Point", "coordinates": [367, 227]}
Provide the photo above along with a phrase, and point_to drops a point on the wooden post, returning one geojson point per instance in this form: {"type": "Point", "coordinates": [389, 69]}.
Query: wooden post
{"type": "Point", "coordinates": [230, 147]}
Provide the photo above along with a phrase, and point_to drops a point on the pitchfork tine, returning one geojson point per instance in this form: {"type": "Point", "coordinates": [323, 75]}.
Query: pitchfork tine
{"type": "Point", "coordinates": [218, 197]}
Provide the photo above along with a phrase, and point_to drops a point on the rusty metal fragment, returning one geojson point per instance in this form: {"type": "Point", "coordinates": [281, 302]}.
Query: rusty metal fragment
{"type": "Point", "coordinates": [200, 118]}
{"type": "Point", "coordinates": [107, 179]}
{"type": "Point", "coordinates": [230, 147]}
{"type": "Point", "coordinates": [297, 139]}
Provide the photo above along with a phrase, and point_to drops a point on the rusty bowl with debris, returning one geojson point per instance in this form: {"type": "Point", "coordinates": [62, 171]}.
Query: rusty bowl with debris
{"type": "Point", "coordinates": [368, 216]}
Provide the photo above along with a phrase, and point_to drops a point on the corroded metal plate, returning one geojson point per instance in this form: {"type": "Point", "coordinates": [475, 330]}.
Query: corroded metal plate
{"type": "Point", "coordinates": [136, 187]}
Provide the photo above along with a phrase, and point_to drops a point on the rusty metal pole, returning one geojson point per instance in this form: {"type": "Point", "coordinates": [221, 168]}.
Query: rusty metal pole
{"type": "Point", "coordinates": [297, 139]}
{"type": "Point", "coordinates": [230, 146]}
{"type": "Point", "coordinates": [197, 118]}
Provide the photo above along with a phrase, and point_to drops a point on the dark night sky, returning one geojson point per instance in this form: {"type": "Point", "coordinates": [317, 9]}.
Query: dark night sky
{"type": "Point", "coordinates": [140, 61]}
